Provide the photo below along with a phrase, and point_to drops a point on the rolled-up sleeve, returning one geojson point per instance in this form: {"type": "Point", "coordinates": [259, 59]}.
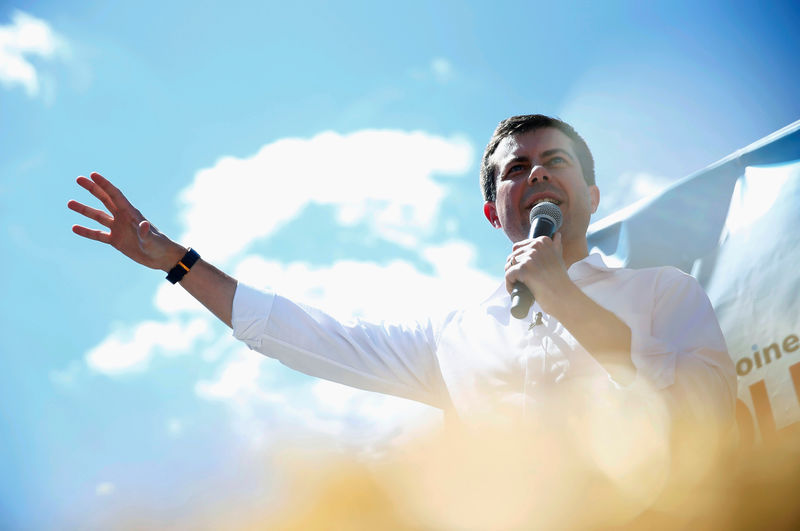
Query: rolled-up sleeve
{"type": "Point", "coordinates": [683, 352]}
{"type": "Point", "coordinates": [397, 359]}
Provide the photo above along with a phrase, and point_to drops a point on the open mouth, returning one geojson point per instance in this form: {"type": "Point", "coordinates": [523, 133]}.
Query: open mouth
{"type": "Point", "coordinates": [546, 200]}
{"type": "Point", "coordinates": [553, 200]}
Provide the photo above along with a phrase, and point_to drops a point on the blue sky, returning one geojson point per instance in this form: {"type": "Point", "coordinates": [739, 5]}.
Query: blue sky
{"type": "Point", "coordinates": [321, 149]}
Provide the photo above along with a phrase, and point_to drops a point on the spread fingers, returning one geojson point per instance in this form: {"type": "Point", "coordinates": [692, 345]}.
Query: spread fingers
{"type": "Point", "coordinates": [98, 192]}
{"type": "Point", "coordinates": [92, 234]}
{"type": "Point", "coordinates": [91, 213]}
{"type": "Point", "coordinates": [113, 192]}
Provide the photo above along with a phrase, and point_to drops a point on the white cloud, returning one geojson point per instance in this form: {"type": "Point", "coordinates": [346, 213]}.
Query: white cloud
{"type": "Point", "coordinates": [386, 416]}
{"type": "Point", "coordinates": [396, 291]}
{"type": "Point", "coordinates": [381, 175]}
{"type": "Point", "coordinates": [240, 383]}
{"type": "Point", "coordinates": [240, 376]}
{"type": "Point", "coordinates": [383, 178]}
{"type": "Point", "coordinates": [132, 348]}
{"type": "Point", "coordinates": [25, 36]}
{"type": "Point", "coordinates": [172, 299]}
{"type": "Point", "coordinates": [326, 411]}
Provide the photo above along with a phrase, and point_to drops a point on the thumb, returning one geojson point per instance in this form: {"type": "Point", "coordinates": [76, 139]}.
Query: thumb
{"type": "Point", "coordinates": [144, 229]}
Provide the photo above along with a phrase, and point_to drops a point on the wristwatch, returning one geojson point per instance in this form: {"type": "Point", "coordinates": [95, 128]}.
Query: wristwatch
{"type": "Point", "coordinates": [183, 266]}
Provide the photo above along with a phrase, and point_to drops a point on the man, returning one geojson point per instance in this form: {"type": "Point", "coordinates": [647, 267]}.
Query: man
{"type": "Point", "coordinates": [592, 332]}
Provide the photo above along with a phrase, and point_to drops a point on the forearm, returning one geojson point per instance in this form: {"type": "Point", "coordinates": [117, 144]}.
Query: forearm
{"type": "Point", "coordinates": [599, 331]}
{"type": "Point", "coordinates": [211, 287]}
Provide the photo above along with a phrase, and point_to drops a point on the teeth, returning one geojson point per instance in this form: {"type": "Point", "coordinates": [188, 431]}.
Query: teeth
{"type": "Point", "coordinates": [546, 200]}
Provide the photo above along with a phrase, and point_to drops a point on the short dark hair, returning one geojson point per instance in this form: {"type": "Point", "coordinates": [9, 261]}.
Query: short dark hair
{"type": "Point", "coordinates": [517, 125]}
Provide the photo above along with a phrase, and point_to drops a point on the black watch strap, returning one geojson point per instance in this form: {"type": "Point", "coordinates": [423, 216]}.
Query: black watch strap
{"type": "Point", "coordinates": [183, 266]}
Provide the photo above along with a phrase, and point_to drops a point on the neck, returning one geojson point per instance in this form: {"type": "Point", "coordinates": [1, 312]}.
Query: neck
{"type": "Point", "coordinates": [575, 253]}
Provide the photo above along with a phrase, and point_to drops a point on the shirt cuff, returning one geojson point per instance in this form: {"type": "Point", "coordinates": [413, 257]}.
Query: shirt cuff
{"type": "Point", "coordinates": [250, 314]}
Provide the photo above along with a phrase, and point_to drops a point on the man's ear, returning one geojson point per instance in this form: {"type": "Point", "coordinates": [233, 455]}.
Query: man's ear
{"type": "Point", "coordinates": [490, 211]}
{"type": "Point", "coordinates": [594, 195]}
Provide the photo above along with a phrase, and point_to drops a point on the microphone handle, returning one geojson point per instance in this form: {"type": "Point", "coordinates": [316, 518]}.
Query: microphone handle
{"type": "Point", "coordinates": [521, 297]}
{"type": "Point", "coordinates": [521, 300]}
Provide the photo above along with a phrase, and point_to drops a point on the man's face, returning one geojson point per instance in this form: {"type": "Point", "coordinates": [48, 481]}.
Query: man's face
{"type": "Point", "coordinates": [535, 166]}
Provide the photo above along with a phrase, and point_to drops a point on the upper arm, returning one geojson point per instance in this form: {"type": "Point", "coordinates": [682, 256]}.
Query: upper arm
{"type": "Point", "coordinates": [397, 359]}
{"type": "Point", "coordinates": [684, 352]}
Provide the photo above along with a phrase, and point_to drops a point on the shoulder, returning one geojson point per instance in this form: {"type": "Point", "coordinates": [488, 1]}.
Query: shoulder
{"type": "Point", "coordinates": [674, 291]}
{"type": "Point", "coordinates": [659, 287]}
{"type": "Point", "coordinates": [598, 268]}
{"type": "Point", "coordinates": [660, 276]}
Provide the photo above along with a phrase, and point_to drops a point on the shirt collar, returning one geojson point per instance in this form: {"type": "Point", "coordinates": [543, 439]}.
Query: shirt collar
{"type": "Point", "coordinates": [589, 266]}
{"type": "Point", "coordinates": [579, 271]}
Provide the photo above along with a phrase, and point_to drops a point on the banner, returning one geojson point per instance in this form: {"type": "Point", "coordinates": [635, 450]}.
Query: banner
{"type": "Point", "coordinates": [735, 226]}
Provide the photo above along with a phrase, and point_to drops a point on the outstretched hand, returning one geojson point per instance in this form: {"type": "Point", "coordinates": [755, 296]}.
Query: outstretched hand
{"type": "Point", "coordinates": [129, 232]}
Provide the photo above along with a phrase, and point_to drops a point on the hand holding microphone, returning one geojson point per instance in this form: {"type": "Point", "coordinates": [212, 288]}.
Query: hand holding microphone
{"type": "Point", "coordinates": [546, 219]}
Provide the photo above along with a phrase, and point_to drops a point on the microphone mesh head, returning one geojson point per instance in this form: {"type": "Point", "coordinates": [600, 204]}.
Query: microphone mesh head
{"type": "Point", "coordinates": [550, 210]}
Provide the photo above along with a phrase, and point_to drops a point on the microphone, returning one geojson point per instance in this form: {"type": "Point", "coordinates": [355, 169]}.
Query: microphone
{"type": "Point", "coordinates": [546, 219]}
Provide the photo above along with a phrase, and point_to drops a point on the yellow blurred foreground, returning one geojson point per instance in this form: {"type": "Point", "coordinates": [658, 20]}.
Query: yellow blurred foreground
{"type": "Point", "coordinates": [583, 455]}
{"type": "Point", "coordinates": [484, 482]}
{"type": "Point", "coordinates": [616, 474]}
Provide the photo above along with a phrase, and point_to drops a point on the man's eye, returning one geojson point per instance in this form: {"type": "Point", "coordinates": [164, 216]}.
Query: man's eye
{"type": "Point", "coordinates": [515, 168]}
{"type": "Point", "coordinates": [557, 161]}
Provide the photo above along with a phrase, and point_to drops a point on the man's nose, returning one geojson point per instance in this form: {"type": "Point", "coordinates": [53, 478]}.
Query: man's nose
{"type": "Point", "coordinates": [537, 174]}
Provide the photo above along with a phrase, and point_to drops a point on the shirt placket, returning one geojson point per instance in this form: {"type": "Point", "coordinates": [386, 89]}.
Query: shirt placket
{"type": "Point", "coordinates": [534, 349]}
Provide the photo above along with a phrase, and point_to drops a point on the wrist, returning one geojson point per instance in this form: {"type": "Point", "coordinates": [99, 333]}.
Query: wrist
{"type": "Point", "coordinates": [565, 301]}
{"type": "Point", "coordinates": [172, 256]}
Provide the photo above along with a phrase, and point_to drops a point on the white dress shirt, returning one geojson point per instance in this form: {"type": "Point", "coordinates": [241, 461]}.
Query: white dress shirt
{"type": "Point", "coordinates": [481, 361]}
